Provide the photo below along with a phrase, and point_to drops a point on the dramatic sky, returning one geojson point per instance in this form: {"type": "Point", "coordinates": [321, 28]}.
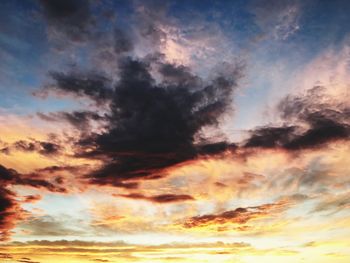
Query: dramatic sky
{"type": "Point", "coordinates": [174, 131]}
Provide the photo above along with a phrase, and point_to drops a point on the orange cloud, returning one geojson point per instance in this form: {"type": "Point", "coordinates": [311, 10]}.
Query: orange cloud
{"type": "Point", "coordinates": [238, 216]}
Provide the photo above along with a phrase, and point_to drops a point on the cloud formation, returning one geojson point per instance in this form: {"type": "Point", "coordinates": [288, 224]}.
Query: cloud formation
{"type": "Point", "coordinates": [41, 147]}
{"type": "Point", "coordinates": [10, 208]}
{"type": "Point", "coordinates": [164, 198]}
{"type": "Point", "coordinates": [238, 216]}
{"type": "Point", "coordinates": [70, 18]}
{"type": "Point", "coordinates": [81, 120]}
{"type": "Point", "coordinates": [10, 212]}
{"type": "Point", "coordinates": [138, 103]}
{"type": "Point", "coordinates": [277, 19]}
{"type": "Point", "coordinates": [315, 120]}
{"type": "Point", "coordinates": [152, 125]}
{"type": "Point", "coordinates": [91, 85]}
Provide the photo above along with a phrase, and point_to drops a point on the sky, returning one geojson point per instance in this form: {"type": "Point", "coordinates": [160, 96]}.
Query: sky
{"type": "Point", "coordinates": [174, 131]}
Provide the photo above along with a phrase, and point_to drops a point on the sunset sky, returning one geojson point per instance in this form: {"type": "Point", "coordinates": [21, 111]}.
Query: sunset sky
{"type": "Point", "coordinates": [174, 131]}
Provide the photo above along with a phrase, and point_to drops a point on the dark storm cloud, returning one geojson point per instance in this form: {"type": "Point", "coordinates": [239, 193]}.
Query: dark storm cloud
{"type": "Point", "coordinates": [69, 17]}
{"type": "Point", "coordinates": [157, 110]}
{"type": "Point", "coordinates": [322, 130]}
{"type": "Point", "coordinates": [78, 119]}
{"type": "Point", "coordinates": [42, 147]}
{"type": "Point", "coordinates": [316, 123]}
{"type": "Point", "coordinates": [178, 75]}
{"type": "Point", "coordinates": [327, 121]}
{"type": "Point", "coordinates": [94, 86]}
{"type": "Point", "coordinates": [216, 148]}
{"type": "Point", "coordinates": [153, 125]}
{"type": "Point", "coordinates": [165, 198]}
{"type": "Point", "coordinates": [268, 137]}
